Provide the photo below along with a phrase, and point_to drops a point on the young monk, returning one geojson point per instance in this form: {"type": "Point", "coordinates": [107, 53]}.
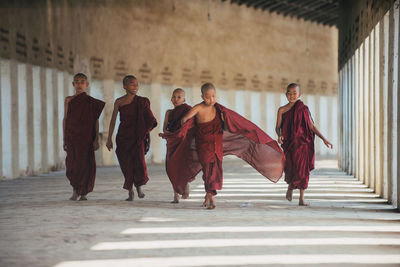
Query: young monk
{"type": "Point", "coordinates": [296, 131]}
{"type": "Point", "coordinates": [133, 139]}
{"type": "Point", "coordinates": [208, 132]}
{"type": "Point", "coordinates": [172, 122]}
{"type": "Point", "coordinates": [81, 137]}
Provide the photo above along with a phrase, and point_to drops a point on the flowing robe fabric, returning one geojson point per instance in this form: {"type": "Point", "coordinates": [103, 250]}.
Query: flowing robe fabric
{"type": "Point", "coordinates": [240, 137]}
{"type": "Point", "coordinates": [298, 145]}
{"type": "Point", "coordinates": [133, 140]}
{"type": "Point", "coordinates": [80, 132]}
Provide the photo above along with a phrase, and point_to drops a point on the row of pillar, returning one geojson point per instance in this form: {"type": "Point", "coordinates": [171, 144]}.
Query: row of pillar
{"type": "Point", "coordinates": [369, 110]}
{"type": "Point", "coordinates": [32, 110]}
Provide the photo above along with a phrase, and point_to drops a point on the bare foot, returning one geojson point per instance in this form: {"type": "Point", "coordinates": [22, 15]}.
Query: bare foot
{"type": "Point", "coordinates": [206, 202]}
{"type": "Point", "coordinates": [74, 196]}
{"type": "Point", "coordinates": [130, 196]}
{"type": "Point", "coordinates": [140, 192]}
{"type": "Point", "coordinates": [302, 203]}
{"type": "Point", "coordinates": [212, 202]}
{"type": "Point", "coordinates": [82, 198]}
{"type": "Point", "coordinates": [185, 194]}
{"type": "Point", "coordinates": [289, 194]}
{"type": "Point", "coordinates": [176, 198]}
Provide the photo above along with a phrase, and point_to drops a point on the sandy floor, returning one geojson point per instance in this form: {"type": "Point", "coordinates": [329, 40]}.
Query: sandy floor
{"type": "Point", "coordinates": [252, 225]}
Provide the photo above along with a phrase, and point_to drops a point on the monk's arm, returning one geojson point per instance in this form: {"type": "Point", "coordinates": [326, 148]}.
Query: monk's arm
{"type": "Point", "coordinates": [191, 113]}
{"type": "Point", "coordinates": [65, 117]}
{"type": "Point", "coordinates": [319, 134]}
{"type": "Point", "coordinates": [96, 140]}
{"type": "Point", "coordinates": [278, 126]}
{"type": "Point", "coordinates": [112, 125]}
{"type": "Point", "coordinates": [166, 121]}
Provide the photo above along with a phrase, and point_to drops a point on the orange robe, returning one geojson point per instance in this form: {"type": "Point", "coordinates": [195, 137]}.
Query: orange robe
{"type": "Point", "coordinates": [80, 132]}
{"type": "Point", "coordinates": [298, 145]}
{"type": "Point", "coordinates": [133, 140]}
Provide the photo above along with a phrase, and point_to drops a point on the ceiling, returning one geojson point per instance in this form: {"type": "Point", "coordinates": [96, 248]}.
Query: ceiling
{"type": "Point", "coordinates": [325, 12]}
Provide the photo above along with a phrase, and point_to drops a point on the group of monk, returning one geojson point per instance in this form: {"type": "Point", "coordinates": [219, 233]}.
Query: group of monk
{"type": "Point", "coordinates": [197, 138]}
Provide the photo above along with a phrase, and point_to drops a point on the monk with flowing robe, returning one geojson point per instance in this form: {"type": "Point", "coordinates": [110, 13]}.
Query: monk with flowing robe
{"type": "Point", "coordinates": [208, 132]}
{"type": "Point", "coordinates": [81, 137]}
{"type": "Point", "coordinates": [172, 122]}
{"type": "Point", "coordinates": [296, 131]}
{"type": "Point", "coordinates": [133, 137]}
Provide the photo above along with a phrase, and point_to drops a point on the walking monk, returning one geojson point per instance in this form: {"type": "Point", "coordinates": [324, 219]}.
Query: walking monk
{"type": "Point", "coordinates": [296, 132]}
{"type": "Point", "coordinates": [172, 122]}
{"type": "Point", "coordinates": [209, 131]}
{"type": "Point", "coordinates": [81, 137]}
{"type": "Point", "coordinates": [133, 138]}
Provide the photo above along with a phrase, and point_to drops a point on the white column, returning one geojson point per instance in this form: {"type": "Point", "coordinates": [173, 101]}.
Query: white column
{"type": "Point", "coordinates": [156, 91]}
{"type": "Point", "coordinates": [38, 102]}
{"type": "Point", "coordinates": [50, 117]}
{"type": "Point", "coordinates": [371, 162]}
{"type": "Point", "coordinates": [361, 114]}
{"type": "Point", "coordinates": [108, 93]}
{"type": "Point", "coordinates": [22, 120]}
{"type": "Point", "coordinates": [378, 111]}
{"type": "Point", "coordinates": [6, 133]}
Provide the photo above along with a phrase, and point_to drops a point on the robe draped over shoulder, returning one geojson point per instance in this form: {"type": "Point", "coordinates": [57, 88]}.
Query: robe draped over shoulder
{"type": "Point", "coordinates": [133, 140]}
{"type": "Point", "coordinates": [298, 145]}
{"type": "Point", "coordinates": [80, 132]}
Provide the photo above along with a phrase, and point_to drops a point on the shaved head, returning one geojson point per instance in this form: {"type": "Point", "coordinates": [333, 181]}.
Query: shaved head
{"type": "Point", "coordinates": [179, 90]}
{"type": "Point", "coordinates": [207, 86]}
{"type": "Point", "coordinates": [292, 85]}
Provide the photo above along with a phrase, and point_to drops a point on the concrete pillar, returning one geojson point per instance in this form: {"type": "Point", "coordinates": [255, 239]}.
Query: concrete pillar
{"type": "Point", "coordinates": [14, 117]}
{"type": "Point", "coordinates": [393, 105]}
{"type": "Point", "coordinates": [156, 90]}
{"type": "Point", "coordinates": [43, 124]}
{"type": "Point", "coordinates": [378, 110]}
{"type": "Point", "coordinates": [108, 93]}
{"type": "Point", "coordinates": [384, 63]}
{"type": "Point", "coordinates": [366, 97]}
{"type": "Point", "coordinates": [361, 169]}
{"type": "Point", "coordinates": [371, 117]}
{"type": "Point", "coordinates": [38, 102]}
{"type": "Point", "coordinates": [50, 117]}
{"type": "Point", "coordinates": [55, 122]}
{"type": "Point", "coordinates": [397, 39]}
{"type": "Point", "coordinates": [30, 120]}
{"type": "Point", "coordinates": [353, 116]}
{"type": "Point", "coordinates": [263, 112]}
{"type": "Point", "coordinates": [22, 120]}
{"type": "Point", "coordinates": [272, 109]}
{"type": "Point", "coordinates": [60, 116]}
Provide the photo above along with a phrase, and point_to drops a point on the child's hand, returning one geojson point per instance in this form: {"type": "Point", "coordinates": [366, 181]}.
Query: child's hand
{"type": "Point", "coordinates": [161, 135]}
{"type": "Point", "coordinates": [109, 145]}
{"type": "Point", "coordinates": [280, 139]}
{"type": "Point", "coordinates": [96, 145]}
{"type": "Point", "coordinates": [328, 144]}
{"type": "Point", "coordinates": [65, 147]}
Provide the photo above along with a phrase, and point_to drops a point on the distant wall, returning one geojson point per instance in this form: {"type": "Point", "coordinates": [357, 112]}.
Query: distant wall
{"type": "Point", "coordinates": [249, 55]}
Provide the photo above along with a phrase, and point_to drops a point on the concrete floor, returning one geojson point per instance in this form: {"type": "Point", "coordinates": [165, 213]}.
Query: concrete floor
{"type": "Point", "coordinates": [253, 224]}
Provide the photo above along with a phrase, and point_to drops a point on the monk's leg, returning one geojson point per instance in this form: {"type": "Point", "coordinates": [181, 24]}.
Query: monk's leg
{"type": "Point", "coordinates": [140, 192]}
{"type": "Point", "coordinates": [130, 195]}
{"type": "Point", "coordinates": [186, 192]}
{"type": "Point", "coordinates": [82, 198]}
{"type": "Point", "coordinates": [212, 204]}
{"type": "Point", "coordinates": [206, 202]}
{"type": "Point", "coordinates": [74, 195]}
{"type": "Point", "coordinates": [289, 193]}
{"type": "Point", "coordinates": [301, 199]}
{"type": "Point", "coordinates": [176, 198]}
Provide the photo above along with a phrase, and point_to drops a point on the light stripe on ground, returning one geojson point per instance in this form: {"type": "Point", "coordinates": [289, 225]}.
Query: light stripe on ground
{"type": "Point", "coordinates": [248, 229]}
{"type": "Point", "coordinates": [238, 260]}
{"type": "Point", "coordinates": [241, 242]}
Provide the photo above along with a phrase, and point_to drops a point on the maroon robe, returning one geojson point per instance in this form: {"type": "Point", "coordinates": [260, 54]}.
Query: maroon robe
{"type": "Point", "coordinates": [133, 140]}
{"type": "Point", "coordinates": [209, 147]}
{"type": "Point", "coordinates": [80, 132]}
{"type": "Point", "coordinates": [175, 116]}
{"type": "Point", "coordinates": [240, 137]}
{"type": "Point", "coordinates": [298, 145]}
